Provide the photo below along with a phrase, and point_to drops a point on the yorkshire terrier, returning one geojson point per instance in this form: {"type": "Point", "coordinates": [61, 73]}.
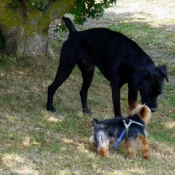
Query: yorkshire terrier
{"type": "Point", "coordinates": [110, 130]}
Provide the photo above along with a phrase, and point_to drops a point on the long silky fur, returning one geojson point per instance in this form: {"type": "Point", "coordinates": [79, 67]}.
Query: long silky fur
{"type": "Point", "coordinates": [142, 110]}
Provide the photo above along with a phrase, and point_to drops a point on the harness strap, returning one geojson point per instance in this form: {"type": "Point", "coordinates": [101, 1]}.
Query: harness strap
{"type": "Point", "coordinates": [128, 125]}
{"type": "Point", "coordinates": [119, 139]}
{"type": "Point", "coordinates": [126, 131]}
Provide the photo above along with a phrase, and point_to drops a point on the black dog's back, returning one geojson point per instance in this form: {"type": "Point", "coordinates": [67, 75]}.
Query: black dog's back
{"type": "Point", "coordinates": [101, 45]}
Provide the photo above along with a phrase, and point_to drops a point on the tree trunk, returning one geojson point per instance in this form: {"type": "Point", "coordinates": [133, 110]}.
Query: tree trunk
{"type": "Point", "coordinates": [21, 44]}
{"type": "Point", "coordinates": [25, 30]}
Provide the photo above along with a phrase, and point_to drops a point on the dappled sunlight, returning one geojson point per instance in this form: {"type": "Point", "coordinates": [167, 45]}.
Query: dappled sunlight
{"type": "Point", "coordinates": [156, 15]}
{"type": "Point", "coordinates": [29, 141]}
{"type": "Point", "coordinates": [11, 117]}
{"type": "Point", "coordinates": [162, 151]}
{"type": "Point", "coordinates": [1, 74]}
{"type": "Point", "coordinates": [18, 164]}
{"type": "Point", "coordinates": [53, 117]}
{"type": "Point", "coordinates": [169, 125]}
{"type": "Point", "coordinates": [67, 141]}
{"type": "Point", "coordinates": [20, 72]}
{"type": "Point", "coordinates": [65, 172]}
{"type": "Point", "coordinates": [26, 142]}
{"type": "Point", "coordinates": [81, 147]}
{"type": "Point", "coordinates": [80, 114]}
{"type": "Point", "coordinates": [136, 171]}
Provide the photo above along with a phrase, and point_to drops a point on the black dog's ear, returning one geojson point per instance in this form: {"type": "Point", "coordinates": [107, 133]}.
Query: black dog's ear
{"type": "Point", "coordinates": [163, 72]}
{"type": "Point", "coordinates": [140, 73]}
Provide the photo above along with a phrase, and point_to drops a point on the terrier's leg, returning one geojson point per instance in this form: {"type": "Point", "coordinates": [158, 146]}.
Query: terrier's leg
{"type": "Point", "coordinates": [104, 151]}
{"type": "Point", "coordinates": [129, 144]}
{"type": "Point", "coordinates": [144, 145]}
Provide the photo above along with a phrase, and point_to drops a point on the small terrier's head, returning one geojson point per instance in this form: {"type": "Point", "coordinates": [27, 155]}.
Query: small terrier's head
{"type": "Point", "coordinates": [142, 110]}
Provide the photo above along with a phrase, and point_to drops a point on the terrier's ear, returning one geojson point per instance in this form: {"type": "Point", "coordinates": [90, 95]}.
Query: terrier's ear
{"type": "Point", "coordinates": [145, 114]}
{"type": "Point", "coordinates": [132, 104]}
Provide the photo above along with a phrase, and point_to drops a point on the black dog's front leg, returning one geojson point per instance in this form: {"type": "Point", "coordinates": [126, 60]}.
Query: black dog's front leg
{"type": "Point", "coordinates": [132, 93]}
{"type": "Point", "coordinates": [50, 94]}
{"type": "Point", "coordinates": [116, 99]}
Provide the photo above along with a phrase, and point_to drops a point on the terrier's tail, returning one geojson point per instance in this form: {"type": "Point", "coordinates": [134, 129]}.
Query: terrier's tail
{"type": "Point", "coordinates": [94, 122]}
{"type": "Point", "coordinates": [69, 25]}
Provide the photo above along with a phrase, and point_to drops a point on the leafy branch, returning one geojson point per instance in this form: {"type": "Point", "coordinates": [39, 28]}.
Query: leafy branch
{"type": "Point", "coordinates": [89, 9]}
{"type": "Point", "coordinates": [17, 4]}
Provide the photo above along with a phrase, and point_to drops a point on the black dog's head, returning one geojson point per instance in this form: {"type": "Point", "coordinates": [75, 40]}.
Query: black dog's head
{"type": "Point", "coordinates": [150, 82]}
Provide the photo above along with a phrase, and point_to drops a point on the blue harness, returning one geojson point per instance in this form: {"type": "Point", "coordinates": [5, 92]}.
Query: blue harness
{"type": "Point", "coordinates": [126, 130]}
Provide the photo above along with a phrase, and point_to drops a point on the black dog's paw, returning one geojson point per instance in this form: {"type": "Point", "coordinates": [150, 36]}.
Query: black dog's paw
{"type": "Point", "coordinates": [51, 108]}
{"type": "Point", "coordinates": [87, 111]}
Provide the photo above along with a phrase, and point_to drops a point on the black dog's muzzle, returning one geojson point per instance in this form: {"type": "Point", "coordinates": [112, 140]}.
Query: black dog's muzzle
{"type": "Point", "coordinates": [153, 108]}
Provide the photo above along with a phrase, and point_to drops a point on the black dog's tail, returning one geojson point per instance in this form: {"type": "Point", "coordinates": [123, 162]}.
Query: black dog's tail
{"type": "Point", "coordinates": [69, 24]}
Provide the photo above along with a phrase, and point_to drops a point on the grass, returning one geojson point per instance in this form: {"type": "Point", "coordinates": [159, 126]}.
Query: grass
{"type": "Point", "coordinates": [37, 142]}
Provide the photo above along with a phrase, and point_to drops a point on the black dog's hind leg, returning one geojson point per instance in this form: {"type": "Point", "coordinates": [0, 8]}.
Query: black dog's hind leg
{"type": "Point", "coordinates": [87, 70]}
{"type": "Point", "coordinates": [63, 73]}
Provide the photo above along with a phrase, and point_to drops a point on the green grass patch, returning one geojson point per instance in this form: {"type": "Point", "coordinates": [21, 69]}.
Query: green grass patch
{"type": "Point", "coordinates": [168, 98]}
{"type": "Point", "coordinates": [162, 135]}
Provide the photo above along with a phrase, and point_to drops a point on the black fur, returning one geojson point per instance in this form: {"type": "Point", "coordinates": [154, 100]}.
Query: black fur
{"type": "Point", "coordinates": [119, 59]}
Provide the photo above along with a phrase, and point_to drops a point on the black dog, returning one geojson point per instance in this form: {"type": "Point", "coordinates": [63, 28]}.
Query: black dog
{"type": "Point", "coordinates": [119, 59]}
{"type": "Point", "coordinates": [110, 130]}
